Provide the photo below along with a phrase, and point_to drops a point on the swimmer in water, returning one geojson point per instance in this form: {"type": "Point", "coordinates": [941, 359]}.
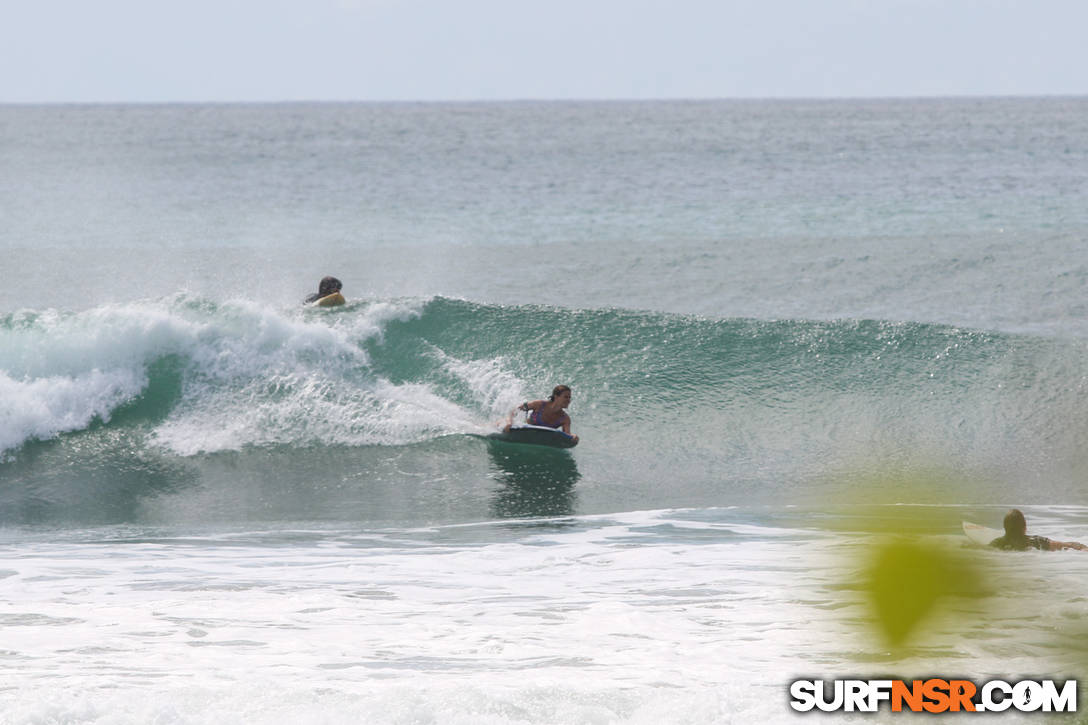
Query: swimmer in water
{"type": "Point", "coordinates": [1016, 537]}
{"type": "Point", "coordinates": [327, 286]}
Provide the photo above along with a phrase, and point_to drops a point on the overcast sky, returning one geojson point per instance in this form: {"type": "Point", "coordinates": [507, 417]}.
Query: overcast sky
{"type": "Point", "coordinates": [272, 50]}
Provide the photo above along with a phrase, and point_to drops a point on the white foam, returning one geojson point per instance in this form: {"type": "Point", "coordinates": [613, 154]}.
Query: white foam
{"type": "Point", "coordinates": [250, 375]}
{"type": "Point", "coordinates": [263, 378]}
{"type": "Point", "coordinates": [312, 410]}
{"type": "Point", "coordinates": [606, 623]}
{"type": "Point", "coordinates": [58, 372]}
{"type": "Point", "coordinates": [108, 337]}
{"type": "Point", "coordinates": [276, 702]}
{"type": "Point", "coordinates": [42, 408]}
{"type": "Point", "coordinates": [498, 389]}
{"type": "Point", "coordinates": [585, 630]}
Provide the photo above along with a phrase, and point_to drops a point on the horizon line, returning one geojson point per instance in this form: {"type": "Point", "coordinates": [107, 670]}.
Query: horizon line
{"type": "Point", "coordinates": [546, 100]}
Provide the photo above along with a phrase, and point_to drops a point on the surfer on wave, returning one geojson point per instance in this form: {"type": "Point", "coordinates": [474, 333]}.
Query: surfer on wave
{"type": "Point", "coordinates": [1016, 537]}
{"type": "Point", "coordinates": [327, 286]}
{"type": "Point", "coordinates": [550, 413]}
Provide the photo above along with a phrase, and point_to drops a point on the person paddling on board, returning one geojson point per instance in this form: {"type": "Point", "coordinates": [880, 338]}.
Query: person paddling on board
{"type": "Point", "coordinates": [327, 286]}
{"type": "Point", "coordinates": [550, 413]}
{"type": "Point", "coordinates": [1016, 537]}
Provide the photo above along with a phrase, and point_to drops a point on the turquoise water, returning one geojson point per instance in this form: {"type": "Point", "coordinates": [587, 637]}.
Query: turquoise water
{"type": "Point", "coordinates": [166, 400]}
{"type": "Point", "coordinates": [782, 321]}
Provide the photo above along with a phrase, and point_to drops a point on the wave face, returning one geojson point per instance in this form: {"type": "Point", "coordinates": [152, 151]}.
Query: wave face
{"type": "Point", "coordinates": [162, 396]}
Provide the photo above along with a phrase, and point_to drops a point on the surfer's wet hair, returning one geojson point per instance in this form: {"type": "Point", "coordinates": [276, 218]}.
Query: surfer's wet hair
{"type": "Point", "coordinates": [557, 391]}
{"type": "Point", "coordinates": [1015, 525]}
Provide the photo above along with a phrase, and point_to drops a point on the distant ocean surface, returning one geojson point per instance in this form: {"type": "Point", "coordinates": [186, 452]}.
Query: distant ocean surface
{"type": "Point", "coordinates": [792, 328]}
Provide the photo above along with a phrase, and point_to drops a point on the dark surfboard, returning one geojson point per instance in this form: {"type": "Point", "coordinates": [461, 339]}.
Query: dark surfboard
{"type": "Point", "coordinates": [536, 435]}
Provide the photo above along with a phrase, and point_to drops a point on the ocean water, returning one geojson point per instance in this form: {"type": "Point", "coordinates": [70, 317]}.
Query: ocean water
{"type": "Point", "coordinates": [795, 330]}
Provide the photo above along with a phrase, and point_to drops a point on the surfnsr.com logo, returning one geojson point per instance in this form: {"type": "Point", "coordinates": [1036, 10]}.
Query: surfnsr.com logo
{"type": "Point", "coordinates": [933, 695]}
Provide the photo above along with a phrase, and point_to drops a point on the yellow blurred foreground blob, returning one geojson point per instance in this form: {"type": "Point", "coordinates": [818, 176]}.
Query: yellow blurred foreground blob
{"type": "Point", "coordinates": [910, 582]}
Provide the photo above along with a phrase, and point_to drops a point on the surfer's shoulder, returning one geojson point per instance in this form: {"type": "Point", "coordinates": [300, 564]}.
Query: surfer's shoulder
{"type": "Point", "coordinates": [1022, 544]}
